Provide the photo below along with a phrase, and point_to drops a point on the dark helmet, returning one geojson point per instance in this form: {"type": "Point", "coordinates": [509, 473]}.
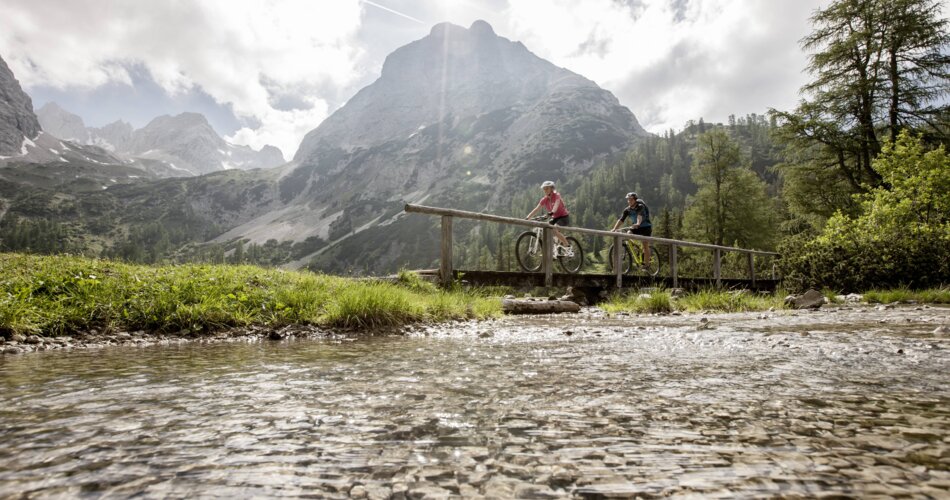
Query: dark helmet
{"type": "Point", "coordinates": [631, 194]}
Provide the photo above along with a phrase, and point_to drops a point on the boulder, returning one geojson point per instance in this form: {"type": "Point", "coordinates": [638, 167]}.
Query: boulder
{"type": "Point", "coordinates": [812, 299]}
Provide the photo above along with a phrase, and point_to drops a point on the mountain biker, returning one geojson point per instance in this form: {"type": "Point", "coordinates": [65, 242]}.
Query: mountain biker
{"type": "Point", "coordinates": [642, 226]}
{"type": "Point", "coordinates": [554, 205]}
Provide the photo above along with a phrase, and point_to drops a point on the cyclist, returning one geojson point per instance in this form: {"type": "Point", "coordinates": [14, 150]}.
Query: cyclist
{"type": "Point", "coordinates": [642, 226]}
{"type": "Point", "coordinates": [554, 205]}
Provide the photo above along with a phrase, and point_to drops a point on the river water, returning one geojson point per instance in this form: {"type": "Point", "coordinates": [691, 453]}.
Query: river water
{"type": "Point", "coordinates": [853, 402]}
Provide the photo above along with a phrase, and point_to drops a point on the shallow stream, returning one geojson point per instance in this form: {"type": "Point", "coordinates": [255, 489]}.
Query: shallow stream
{"type": "Point", "coordinates": [847, 401]}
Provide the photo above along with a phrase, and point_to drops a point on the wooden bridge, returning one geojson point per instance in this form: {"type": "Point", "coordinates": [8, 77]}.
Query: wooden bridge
{"type": "Point", "coordinates": [547, 278]}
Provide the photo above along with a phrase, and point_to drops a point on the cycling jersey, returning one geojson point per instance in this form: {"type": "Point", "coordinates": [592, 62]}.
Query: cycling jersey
{"type": "Point", "coordinates": [639, 208]}
{"type": "Point", "coordinates": [548, 202]}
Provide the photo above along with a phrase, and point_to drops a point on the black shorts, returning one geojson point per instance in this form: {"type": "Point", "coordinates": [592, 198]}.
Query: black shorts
{"type": "Point", "coordinates": [642, 231]}
{"type": "Point", "coordinates": [559, 221]}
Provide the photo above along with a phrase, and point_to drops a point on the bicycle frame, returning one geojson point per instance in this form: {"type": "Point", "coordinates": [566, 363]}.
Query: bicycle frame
{"type": "Point", "coordinates": [539, 234]}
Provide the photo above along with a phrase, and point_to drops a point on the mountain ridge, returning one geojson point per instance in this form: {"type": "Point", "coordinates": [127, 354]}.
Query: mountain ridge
{"type": "Point", "coordinates": [185, 144]}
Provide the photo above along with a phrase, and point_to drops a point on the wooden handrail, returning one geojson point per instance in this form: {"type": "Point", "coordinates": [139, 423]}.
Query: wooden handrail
{"type": "Point", "coordinates": [450, 212]}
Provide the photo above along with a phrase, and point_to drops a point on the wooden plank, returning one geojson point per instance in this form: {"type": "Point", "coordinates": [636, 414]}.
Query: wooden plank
{"type": "Point", "coordinates": [600, 281]}
{"type": "Point", "coordinates": [515, 306]}
{"type": "Point", "coordinates": [717, 262]}
{"type": "Point", "coordinates": [445, 265]}
{"type": "Point", "coordinates": [618, 258]}
{"type": "Point", "coordinates": [547, 255]}
{"type": "Point", "coordinates": [751, 268]}
{"type": "Point", "coordinates": [422, 209]}
{"type": "Point", "coordinates": [673, 270]}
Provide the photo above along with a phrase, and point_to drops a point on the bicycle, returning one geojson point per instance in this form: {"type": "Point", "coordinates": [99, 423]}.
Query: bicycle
{"type": "Point", "coordinates": [529, 252]}
{"type": "Point", "coordinates": [633, 259]}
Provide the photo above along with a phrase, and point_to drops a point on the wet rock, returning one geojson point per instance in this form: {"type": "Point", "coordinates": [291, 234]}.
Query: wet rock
{"type": "Point", "coordinates": [11, 350]}
{"type": "Point", "coordinates": [18, 337]}
{"type": "Point", "coordinates": [34, 339]}
{"type": "Point", "coordinates": [547, 307]}
{"type": "Point", "coordinates": [942, 331]}
{"type": "Point", "coordinates": [812, 299]}
{"type": "Point", "coordinates": [485, 334]}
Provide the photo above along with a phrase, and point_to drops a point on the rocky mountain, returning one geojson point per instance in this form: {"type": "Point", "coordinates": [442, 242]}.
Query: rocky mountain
{"type": "Point", "coordinates": [461, 118]}
{"type": "Point", "coordinates": [18, 124]}
{"type": "Point", "coordinates": [178, 146]}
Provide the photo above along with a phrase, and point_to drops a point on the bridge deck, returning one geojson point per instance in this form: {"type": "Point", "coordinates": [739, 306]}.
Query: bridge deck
{"type": "Point", "coordinates": [607, 281]}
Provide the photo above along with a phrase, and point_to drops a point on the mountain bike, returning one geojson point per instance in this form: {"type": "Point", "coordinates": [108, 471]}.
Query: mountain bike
{"type": "Point", "coordinates": [529, 252]}
{"type": "Point", "coordinates": [632, 258]}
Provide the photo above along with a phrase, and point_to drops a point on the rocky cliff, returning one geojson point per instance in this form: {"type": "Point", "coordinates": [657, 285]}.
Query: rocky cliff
{"type": "Point", "coordinates": [17, 121]}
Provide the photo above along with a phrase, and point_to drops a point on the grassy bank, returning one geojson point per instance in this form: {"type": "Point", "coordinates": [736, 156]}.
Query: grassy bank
{"type": "Point", "coordinates": [723, 301]}
{"type": "Point", "coordinates": [904, 295]}
{"type": "Point", "coordinates": [706, 300]}
{"type": "Point", "coordinates": [54, 295]}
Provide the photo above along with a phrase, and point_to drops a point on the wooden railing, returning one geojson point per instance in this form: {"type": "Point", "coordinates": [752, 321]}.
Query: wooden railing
{"type": "Point", "coordinates": [547, 263]}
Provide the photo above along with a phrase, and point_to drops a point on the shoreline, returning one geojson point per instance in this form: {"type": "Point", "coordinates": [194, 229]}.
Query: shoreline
{"type": "Point", "coordinates": [95, 339]}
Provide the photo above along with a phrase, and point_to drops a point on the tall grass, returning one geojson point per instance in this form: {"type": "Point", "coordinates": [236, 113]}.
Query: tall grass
{"type": "Point", "coordinates": [930, 296]}
{"type": "Point", "coordinates": [705, 300]}
{"type": "Point", "coordinates": [55, 295]}
{"type": "Point", "coordinates": [655, 302]}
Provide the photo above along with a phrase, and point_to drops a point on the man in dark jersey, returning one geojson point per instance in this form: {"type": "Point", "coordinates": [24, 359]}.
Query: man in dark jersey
{"type": "Point", "coordinates": [642, 226]}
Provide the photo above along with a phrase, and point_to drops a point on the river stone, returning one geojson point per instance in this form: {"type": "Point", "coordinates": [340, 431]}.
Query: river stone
{"type": "Point", "coordinates": [942, 330]}
{"type": "Point", "coordinates": [812, 299]}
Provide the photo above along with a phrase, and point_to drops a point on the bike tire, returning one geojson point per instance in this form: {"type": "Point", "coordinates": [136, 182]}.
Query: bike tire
{"type": "Point", "coordinates": [626, 262]}
{"type": "Point", "coordinates": [652, 267]}
{"type": "Point", "coordinates": [528, 260]}
{"type": "Point", "coordinates": [572, 264]}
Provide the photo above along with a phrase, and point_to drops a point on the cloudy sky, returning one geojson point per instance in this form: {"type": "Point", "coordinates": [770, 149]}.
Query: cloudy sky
{"type": "Point", "coordinates": [269, 71]}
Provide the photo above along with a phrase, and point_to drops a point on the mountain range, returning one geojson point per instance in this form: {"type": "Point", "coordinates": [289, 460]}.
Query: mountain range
{"type": "Point", "coordinates": [185, 143]}
{"type": "Point", "coordinates": [461, 118]}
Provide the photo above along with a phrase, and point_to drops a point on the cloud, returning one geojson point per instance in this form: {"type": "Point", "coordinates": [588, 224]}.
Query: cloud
{"type": "Point", "coordinates": [246, 54]}
{"type": "Point", "coordinates": [674, 61]}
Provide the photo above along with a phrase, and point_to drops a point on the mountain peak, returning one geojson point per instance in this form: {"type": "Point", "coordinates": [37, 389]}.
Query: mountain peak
{"type": "Point", "coordinates": [481, 28]}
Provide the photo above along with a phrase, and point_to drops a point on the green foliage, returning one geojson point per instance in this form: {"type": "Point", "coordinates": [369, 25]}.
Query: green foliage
{"type": "Point", "coordinates": [901, 237]}
{"type": "Point", "coordinates": [414, 282]}
{"type": "Point", "coordinates": [703, 300]}
{"type": "Point", "coordinates": [654, 302]}
{"type": "Point", "coordinates": [724, 301]}
{"type": "Point", "coordinates": [731, 205]}
{"type": "Point", "coordinates": [906, 295]}
{"type": "Point", "coordinates": [879, 66]}
{"type": "Point", "coordinates": [63, 294]}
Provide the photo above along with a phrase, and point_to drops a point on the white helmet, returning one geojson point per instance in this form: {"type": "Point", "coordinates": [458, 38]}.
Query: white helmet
{"type": "Point", "coordinates": [546, 184]}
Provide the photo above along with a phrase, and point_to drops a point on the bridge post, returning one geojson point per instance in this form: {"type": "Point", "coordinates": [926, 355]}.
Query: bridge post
{"type": "Point", "coordinates": [673, 266]}
{"type": "Point", "coordinates": [717, 262]}
{"type": "Point", "coordinates": [445, 265]}
{"type": "Point", "coordinates": [618, 259]}
{"type": "Point", "coordinates": [547, 256]}
{"type": "Point", "coordinates": [752, 268]}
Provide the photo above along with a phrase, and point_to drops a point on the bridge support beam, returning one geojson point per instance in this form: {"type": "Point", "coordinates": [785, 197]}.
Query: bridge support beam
{"type": "Point", "coordinates": [751, 268]}
{"type": "Point", "coordinates": [547, 256]}
{"type": "Point", "coordinates": [618, 258]}
{"type": "Point", "coordinates": [717, 265]}
{"type": "Point", "coordinates": [445, 264]}
{"type": "Point", "coordinates": [673, 273]}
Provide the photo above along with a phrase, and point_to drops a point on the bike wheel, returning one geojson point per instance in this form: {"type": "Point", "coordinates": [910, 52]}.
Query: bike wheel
{"type": "Point", "coordinates": [625, 263]}
{"type": "Point", "coordinates": [528, 252]}
{"type": "Point", "coordinates": [573, 263]}
{"type": "Point", "coordinates": [651, 268]}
